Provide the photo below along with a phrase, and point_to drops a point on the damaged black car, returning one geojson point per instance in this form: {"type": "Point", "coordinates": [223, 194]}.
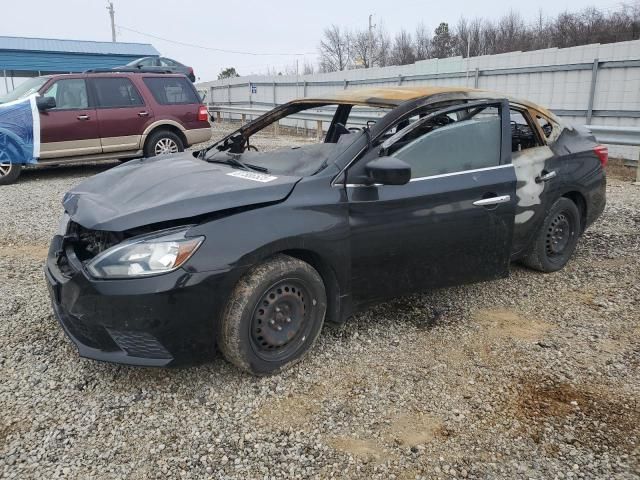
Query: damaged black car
{"type": "Point", "coordinates": [165, 260]}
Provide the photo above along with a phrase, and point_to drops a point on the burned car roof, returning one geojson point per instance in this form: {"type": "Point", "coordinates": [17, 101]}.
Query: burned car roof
{"type": "Point", "coordinates": [393, 96]}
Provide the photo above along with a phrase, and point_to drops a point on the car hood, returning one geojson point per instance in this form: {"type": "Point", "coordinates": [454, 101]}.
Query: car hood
{"type": "Point", "coordinates": [169, 187]}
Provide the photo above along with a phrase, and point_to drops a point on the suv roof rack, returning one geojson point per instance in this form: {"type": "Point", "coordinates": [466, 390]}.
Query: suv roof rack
{"type": "Point", "coordinates": [126, 70]}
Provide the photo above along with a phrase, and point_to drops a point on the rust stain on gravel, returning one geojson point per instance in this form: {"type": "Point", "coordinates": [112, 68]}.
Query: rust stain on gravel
{"type": "Point", "coordinates": [597, 415]}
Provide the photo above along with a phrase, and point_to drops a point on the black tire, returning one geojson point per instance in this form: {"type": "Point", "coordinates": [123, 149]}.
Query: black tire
{"type": "Point", "coordinates": [273, 316]}
{"type": "Point", "coordinates": [9, 172]}
{"type": "Point", "coordinates": [557, 238]}
{"type": "Point", "coordinates": [160, 138]}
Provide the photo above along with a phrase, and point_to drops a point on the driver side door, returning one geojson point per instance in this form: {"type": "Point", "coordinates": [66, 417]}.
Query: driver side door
{"type": "Point", "coordinates": [451, 224]}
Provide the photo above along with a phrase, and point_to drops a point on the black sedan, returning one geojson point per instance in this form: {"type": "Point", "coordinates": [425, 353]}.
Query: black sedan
{"type": "Point", "coordinates": [161, 260]}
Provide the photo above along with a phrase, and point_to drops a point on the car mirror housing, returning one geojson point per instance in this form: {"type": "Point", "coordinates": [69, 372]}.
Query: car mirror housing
{"type": "Point", "coordinates": [388, 171]}
{"type": "Point", "coordinates": [45, 103]}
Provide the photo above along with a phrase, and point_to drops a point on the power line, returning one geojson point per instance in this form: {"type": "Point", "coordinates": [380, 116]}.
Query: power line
{"type": "Point", "coordinates": [185, 44]}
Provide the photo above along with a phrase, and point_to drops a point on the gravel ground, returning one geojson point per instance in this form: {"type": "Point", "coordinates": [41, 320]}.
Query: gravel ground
{"type": "Point", "coordinates": [534, 376]}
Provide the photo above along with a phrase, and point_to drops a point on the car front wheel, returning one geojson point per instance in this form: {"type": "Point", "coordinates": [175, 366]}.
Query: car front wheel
{"type": "Point", "coordinates": [273, 316]}
{"type": "Point", "coordinates": [557, 238]}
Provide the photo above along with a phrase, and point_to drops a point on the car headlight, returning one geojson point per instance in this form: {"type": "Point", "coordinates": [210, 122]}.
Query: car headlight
{"type": "Point", "coordinates": [160, 252]}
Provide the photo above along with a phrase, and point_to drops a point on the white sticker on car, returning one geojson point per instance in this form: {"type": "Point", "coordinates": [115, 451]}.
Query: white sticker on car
{"type": "Point", "coordinates": [256, 177]}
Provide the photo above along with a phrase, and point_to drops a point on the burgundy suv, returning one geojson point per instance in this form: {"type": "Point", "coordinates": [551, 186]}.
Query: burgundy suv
{"type": "Point", "coordinates": [104, 116]}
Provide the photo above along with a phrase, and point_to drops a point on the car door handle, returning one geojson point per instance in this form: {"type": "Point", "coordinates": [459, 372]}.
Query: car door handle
{"type": "Point", "coordinates": [143, 114]}
{"type": "Point", "coordinates": [545, 177]}
{"type": "Point", "coordinates": [83, 117]}
{"type": "Point", "coordinates": [485, 202]}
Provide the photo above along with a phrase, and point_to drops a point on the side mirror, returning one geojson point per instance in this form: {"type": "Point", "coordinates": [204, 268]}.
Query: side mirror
{"type": "Point", "coordinates": [45, 103]}
{"type": "Point", "coordinates": [388, 171]}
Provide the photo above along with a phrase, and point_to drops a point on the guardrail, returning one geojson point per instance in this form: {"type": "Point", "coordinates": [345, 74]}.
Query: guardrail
{"type": "Point", "coordinates": [627, 136]}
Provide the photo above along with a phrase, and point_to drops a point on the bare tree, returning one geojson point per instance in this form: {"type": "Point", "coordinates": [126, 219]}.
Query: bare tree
{"type": "Point", "coordinates": [479, 36]}
{"type": "Point", "coordinates": [402, 51]}
{"type": "Point", "coordinates": [362, 51]}
{"type": "Point", "coordinates": [307, 67]}
{"type": "Point", "coordinates": [334, 49]}
{"type": "Point", "coordinates": [422, 43]}
{"type": "Point", "coordinates": [382, 54]}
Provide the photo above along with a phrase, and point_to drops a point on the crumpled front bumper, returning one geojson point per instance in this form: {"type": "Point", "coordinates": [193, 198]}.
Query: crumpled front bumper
{"type": "Point", "coordinates": [154, 321]}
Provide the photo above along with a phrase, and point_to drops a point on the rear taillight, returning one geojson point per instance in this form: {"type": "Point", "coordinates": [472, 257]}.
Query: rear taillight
{"type": "Point", "coordinates": [203, 113]}
{"type": "Point", "coordinates": [603, 154]}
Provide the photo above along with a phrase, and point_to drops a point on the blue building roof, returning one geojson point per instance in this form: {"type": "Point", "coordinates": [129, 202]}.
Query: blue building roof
{"type": "Point", "coordinates": [77, 46]}
{"type": "Point", "coordinates": [48, 55]}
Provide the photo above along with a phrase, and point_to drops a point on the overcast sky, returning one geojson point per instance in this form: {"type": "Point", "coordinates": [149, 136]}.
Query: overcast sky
{"type": "Point", "coordinates": [259, 26]}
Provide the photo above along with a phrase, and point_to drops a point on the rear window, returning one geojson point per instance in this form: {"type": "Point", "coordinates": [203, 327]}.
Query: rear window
{"type": "Point", "coordinates": [116, 92]}
{"type": "Point", "coordinates": [171, 90]}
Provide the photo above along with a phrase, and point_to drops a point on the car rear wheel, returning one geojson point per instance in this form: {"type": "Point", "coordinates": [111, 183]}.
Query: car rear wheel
{"type": "Point", "coordinates": [557, 238]}
{"type": "Point", "coordinates": [273, 316]}
{"type": "Point", "coordinates": [9, 172]}
{"type": "Point", "coordinates": [162, 142]}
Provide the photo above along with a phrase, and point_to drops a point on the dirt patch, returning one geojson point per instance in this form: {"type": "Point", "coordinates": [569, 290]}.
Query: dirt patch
{"type": "Point", "coordinates": [368, 450]}
{"type": "Point", "coordinates": [35, 252]}
{"type": "Point", "coordinates": [416, 429]}
{"type": "Point", "coordinates": [294, 411]}
{"type": "Point", "coordinates": [503, 323]}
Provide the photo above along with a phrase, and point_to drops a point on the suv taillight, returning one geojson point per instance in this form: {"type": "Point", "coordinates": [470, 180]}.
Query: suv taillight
{"type": "Point", "coordinates": [203, 114]}
{"type": "Point", "coordinates": [603, 154]}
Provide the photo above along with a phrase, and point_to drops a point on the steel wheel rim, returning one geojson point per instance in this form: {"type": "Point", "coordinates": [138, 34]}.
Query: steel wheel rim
{"type": "Point", "coordinates": [559, 234]}
{"type": "Point", "coordinates": [165, 145]}
{"type": "Point", "coordinates": [281, 320]}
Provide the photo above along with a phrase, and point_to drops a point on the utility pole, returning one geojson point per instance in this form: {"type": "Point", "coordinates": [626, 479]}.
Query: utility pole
{"type": "Point", "coordinates": [371, 26]}
{"type": "Point", "coordinates": [112, 14]}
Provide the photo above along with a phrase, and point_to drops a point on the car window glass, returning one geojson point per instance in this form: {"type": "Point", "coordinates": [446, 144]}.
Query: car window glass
{"type": "Point", "coordinates": [146, 62]}
{"type": "Point", "coordinates": [523, 135]}
{"type": "Point", "coordinates": [116, 92]}
{"type": "Point", "coordinates": [171, 90]}
{"type": "Point", "coordinates": [165, 62]}
{"type": "Point", "coordinates": [445, 145]}
{"type": "Point", "coordinates": [69, 94]}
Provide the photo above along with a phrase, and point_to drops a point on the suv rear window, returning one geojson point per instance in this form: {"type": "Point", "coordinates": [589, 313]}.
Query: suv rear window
{"type": "Point", "coordinates": [116, 92]}
{"type": "Point", "coordinates": [171, 90]}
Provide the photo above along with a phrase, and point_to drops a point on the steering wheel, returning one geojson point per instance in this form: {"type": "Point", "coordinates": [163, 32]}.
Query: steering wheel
{"type": "Point", "coordinates": [355, 129]}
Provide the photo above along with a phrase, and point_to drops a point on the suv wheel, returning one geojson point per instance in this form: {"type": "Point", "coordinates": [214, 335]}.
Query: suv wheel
{"type": "Point", "coordinates": [273, 316]}
{"type": "Point", "coordinates": [9, 172]}
{"type": "Point", "coordinates": [162, 142]}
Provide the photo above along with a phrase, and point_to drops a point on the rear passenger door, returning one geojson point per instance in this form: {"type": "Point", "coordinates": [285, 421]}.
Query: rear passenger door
{"type": "Point", "coordinates": [122, 113]}
{"type": "Point", "coordinates": [536, 171]}
{"type": "Point", "coordinates": [71, 128]}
